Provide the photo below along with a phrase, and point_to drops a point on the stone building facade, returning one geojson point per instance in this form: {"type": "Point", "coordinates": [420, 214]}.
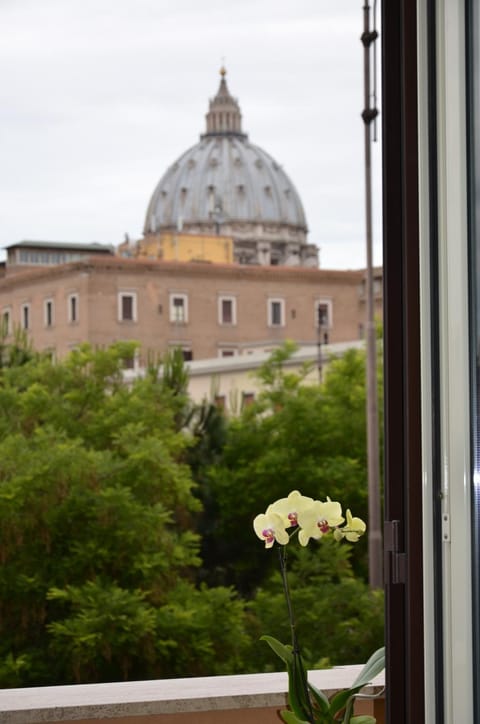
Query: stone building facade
{"type": "Point", "coordinates": [208, 310]}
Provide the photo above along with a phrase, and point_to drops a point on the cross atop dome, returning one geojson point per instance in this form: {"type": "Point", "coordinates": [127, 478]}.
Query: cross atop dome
{"type": "Point", "coordinates": [224, 116]}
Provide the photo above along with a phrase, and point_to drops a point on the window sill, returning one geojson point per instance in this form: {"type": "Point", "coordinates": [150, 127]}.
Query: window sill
{"type": "Point", "coordinates": [250, 698]}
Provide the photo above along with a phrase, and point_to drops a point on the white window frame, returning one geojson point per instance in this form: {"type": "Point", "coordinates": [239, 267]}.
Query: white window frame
{"type": "Point", "coordinates": [230, 352]}
{"type": "Point", "coordinates": [71, 298]}
{"type": "Point", "coordinates": [270, 303]}
{"type": "Point", "coordinates": [324, 303]}
{"type": "Point", "coordinates": [174, 318]}
{"type": "Point", "coordinates": [49, 317]}
{"type": "Point", "coordinates": [26, 307]}
{"type": "Point", "coordinates": [451, 363]}
{"type": "Point", "coordinates": [233, 301]}
{"type": "Point", "coordinates": [121, 297]}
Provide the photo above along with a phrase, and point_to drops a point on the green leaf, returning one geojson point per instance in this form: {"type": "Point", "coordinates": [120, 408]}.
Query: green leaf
{"type": "Point", "coordinates": [374, 665]}
{"type": "Point", "coordinates": [363, 719]}
{"type": "Point", "coordinates": [290, 718]}
{"type": "Point", "coordinates": [320, 698]}
{"type": "Point", "coordinates": [282, 651]}
{"type": "Point", "coordinates": [348, 711]}
{"type": "Point", "coordinates": [297, 693]}
{"type": "Point", "coordinates": [297, 676]}
{"type": "Point", "coordinates": [340, 700]}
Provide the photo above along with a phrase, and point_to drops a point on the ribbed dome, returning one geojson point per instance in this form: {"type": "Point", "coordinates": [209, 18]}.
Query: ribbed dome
{"type": "Point", "coordinates": [224, 178]}
{"type": "Point", "coordinates": [227, 185]}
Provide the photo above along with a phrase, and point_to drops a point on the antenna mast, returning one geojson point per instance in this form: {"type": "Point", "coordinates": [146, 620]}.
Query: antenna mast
{"type": "Point", "coordinates": [375, 546]}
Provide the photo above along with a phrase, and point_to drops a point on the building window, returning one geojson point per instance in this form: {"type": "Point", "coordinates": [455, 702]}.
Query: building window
{"type": "Point", "coordinates": [323, 314]}
{"type": "Point", "coordinates": [73, 308]}
{"type": "Point", "coordinates": [131, 359]}
{"type": "Point", "coordinates": [25, 315]}
{"type": "Point", "coordinates": [179, 308]}
{"type": "Point", "coordinates": [183, 348]}
{"type": "Point", "coordinates": [247, 399]}
{"type": "Point", "coordinates": [220, 402]}
{"type": "Point", "coordinates": [127, 307]}
{"type": "Point", "coordinates": [6, 324]}
{"type": "Point", "coordinates": [48, 312]}
{"type": "Point", "coordinates": [276, 312]}
{"type": "Point", "coordinates": [129, 362]}
{"type": "Point", "coordinates": [45, 257]}
{"type": "Point", "coordinates": [227, 352]}
{"type": "Point", "coordinates": [227, 311]}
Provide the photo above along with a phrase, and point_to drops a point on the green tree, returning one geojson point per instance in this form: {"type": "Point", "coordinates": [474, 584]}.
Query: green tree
{"type": "Point", "coordinates": [295, 436]}
{"type": "Point", "coordinates": [339, 620]}
{"type": "Point", "coordinates": [96, 536]}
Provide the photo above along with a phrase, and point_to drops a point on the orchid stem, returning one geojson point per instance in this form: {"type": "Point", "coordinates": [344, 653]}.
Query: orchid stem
{"type": "Point", "coordinates": [282, 554]}
{"type": "Point", "coordinates": [297, 659]}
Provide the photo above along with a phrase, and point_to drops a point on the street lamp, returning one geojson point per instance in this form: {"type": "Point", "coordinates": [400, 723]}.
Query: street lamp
{"type": "Point", "coordinates": [322, 326]}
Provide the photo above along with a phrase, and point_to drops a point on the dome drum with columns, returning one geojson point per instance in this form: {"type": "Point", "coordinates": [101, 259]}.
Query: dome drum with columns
{"type": "Point", "coordinates": [227, 185]}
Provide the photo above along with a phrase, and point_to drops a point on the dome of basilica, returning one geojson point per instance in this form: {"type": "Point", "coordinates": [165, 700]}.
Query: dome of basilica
{"type": "Point", "coordinates": [227, 185]}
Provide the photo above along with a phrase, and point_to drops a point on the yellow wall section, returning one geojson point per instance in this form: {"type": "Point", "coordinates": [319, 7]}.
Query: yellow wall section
{"type": "Point", "coordinates": [188, 247]}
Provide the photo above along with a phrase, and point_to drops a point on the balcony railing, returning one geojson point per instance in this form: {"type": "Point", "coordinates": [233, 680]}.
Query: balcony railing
{"type": "Point", "coordinates": [246, 699]}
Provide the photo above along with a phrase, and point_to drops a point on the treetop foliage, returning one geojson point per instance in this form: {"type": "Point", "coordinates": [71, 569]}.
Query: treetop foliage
{"type": "Point", "coordinates": [294, 436]}
{"type": "Point", "coordinates": [126, 545]}
{"type": "Point", "coordinates": [96, 504]}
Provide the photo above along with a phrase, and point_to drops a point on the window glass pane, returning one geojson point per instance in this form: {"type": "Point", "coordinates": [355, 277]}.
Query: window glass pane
{"type": "Point", "coordinates": [25, 317]}
{"type": "Point", "coordinates": [227, 311]}
{"type": "Point", "coordinates": [73, 309]}
{"type": "Point", "coordinates": [127, 307]}
{"type": "Point", "coordinates": [276, 313]}
{"type": "Point", "coordinates": [5, 323]}
{"type": "Point", "coordinates": [220, 401]}
{"type": "Point", "coordinates": [178, 309]}
{"type": "Point", "coordinates": [322, 315]}
{"type": "Point", "coordinates": [49, 313]}
{"type": "Point", "coordinates": [247, 398]}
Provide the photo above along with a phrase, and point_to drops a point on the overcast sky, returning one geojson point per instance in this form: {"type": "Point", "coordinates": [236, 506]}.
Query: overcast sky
{"type": "Point", "coordinates": [99, 97]}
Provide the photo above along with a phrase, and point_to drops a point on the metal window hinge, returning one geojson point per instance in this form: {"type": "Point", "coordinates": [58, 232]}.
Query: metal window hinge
{"type": "Point", "coordinates": [445, 527]}
{"type": "Point", "coordinates": [395, 558]}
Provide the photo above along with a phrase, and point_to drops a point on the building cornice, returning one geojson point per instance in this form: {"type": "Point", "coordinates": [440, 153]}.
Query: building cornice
{"type": "Point", "coordinates": [120, 265]}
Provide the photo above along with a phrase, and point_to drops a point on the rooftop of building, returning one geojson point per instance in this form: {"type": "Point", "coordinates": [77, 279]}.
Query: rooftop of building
{"type": "Point", "coordinates": [92, 246]}
{"type": "Point", "coordinates": [105, 263]}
